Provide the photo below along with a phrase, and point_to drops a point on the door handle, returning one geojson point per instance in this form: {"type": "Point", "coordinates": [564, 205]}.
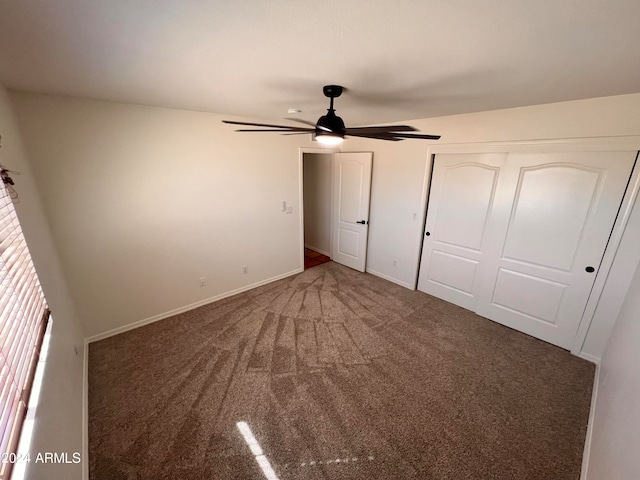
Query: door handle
{"type": "Point", "coordinates": [590, 269]}
{"type": "Point", "coordinates": [363, 222]}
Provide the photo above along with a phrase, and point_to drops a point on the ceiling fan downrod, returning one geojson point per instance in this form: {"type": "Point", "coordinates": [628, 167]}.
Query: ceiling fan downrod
{"type": "Point", "coordinates": [330, 128]}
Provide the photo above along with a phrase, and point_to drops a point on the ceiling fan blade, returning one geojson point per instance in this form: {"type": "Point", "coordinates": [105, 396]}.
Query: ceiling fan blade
{"type": "Point", "coordinates": [395, 136]}
{"type": "Point", "coordinates": [314, 125]}
{"type": "Point", "coordinates": [248, 124]}
{"type": "Point", "coordinates": [383, 129]}
{"type": "Point", "coordinates": [417, 135]}
{"type": "Point", "coordinates": [377, 136]}
{"type": "Point", "coordinates": [305, 130]}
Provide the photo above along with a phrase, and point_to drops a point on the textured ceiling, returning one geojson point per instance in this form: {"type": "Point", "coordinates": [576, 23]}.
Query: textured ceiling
{"type": "Point", "coordinates": [400, 60]}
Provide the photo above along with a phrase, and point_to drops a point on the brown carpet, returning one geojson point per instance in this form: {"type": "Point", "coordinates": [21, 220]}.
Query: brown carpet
{"type": "Point", "coordinates": [339, 375]}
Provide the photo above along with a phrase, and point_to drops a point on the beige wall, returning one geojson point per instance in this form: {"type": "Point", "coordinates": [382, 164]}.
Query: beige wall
{"type": "Point", "coordinates": [58, 420]}
{"type": "Point", "coordinates": [145, 201]}
{"type": "Point", "coordinates": [317, 202]}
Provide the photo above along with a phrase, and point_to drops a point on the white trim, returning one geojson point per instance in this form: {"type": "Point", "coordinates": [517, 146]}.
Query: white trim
{"type": "Point", "coordinates": [85, 411]}
{"type": "Point", "coordinates": [583, 144]}
{"type": "Point", "coordinates": [176, 311]}
{"type": "Point", "coordinates": [589, 357]}
{"type": "Point", "coordinates": [589, 435]}
{"type": "Point", "coordinates": [390, 279]}
{"type": "Point", "coordinates": [332, 179]}
{"type": "Point", "coordinates": [318, 250]}
{"type": "Point", "coordinates": [301, 203]}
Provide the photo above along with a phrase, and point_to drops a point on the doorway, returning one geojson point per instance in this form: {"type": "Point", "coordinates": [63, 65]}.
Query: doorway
{"type": "Point", "coordinates": [334, 191]}
{"type": "Point", "coordinates": [316, 188]}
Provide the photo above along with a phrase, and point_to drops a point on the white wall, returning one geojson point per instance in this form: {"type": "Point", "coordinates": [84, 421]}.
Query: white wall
{"type": "Point", "coordinates": [399, 171]}
{"type": "Point", "coordinates": [145, 201]}
{"type": "Point", "coordinates": [616, 425]}
{"type": "Point", "coordinates": [58, 421]}
{"type": "Point", "coordinates": [317, 202]}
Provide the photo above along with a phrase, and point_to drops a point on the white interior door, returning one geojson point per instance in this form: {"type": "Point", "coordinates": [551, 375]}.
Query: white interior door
{"type": "Point", "coordinates": [462, 194]}
{"type": "Point", "coordinates": [351, 190]}
{"type": "Point", "coordinates": [558, 212]}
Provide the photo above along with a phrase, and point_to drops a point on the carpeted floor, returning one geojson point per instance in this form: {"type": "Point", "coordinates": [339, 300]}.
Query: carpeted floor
{"type": "Point", "coordinates": [339, 375]}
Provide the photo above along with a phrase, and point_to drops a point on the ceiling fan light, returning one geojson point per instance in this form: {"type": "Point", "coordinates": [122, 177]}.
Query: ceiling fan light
{"type": "Point", "coordinates": [329, 139]}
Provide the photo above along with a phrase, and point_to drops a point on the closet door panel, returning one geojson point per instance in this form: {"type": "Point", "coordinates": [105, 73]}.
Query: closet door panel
{"type": "Point", "coordinates": [557, 212]}
{"type": "Point", "coordinates": [462, 195]}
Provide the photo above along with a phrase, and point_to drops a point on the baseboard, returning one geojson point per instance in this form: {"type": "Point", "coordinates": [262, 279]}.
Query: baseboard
{"type": "Point", "coordinates": [176, 311]}
{"type": "Point", "coordinates": [316, 249]}
{"type": "Point", "coordinates": [592, 413]}
{"type": "Point", "coordinates": [589, 357]}
{"type": "Point", "coordinates": [85, 412]}
{"type": "Point", "coordinates": [390, 279]}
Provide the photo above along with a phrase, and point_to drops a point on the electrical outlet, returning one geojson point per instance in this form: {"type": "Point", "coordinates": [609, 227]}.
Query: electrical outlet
{"type": "Point", "coordinates": [203, 282]}
{"type": "Point", "coordinates": [395, 262]}
{"type": "Point", "coordinates": [415, 216]}
{"type": "Point", "coordinates": [245, 270]}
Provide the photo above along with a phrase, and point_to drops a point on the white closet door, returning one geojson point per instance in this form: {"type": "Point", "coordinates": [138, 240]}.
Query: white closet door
{"type": "Point", "coordinates": [462, 194]}
{"type": "Point", "coordinates": [554, 217]}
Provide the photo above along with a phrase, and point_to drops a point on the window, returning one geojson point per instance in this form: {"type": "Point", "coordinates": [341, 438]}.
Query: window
{"type": "Point", "coordinates": [24, 315]}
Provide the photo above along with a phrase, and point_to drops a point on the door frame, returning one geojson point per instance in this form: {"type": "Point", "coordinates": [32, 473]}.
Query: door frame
{"type": "Point", "coordinates": [301, 152]}
{"type": "Point", "coordinates": [604, 275]}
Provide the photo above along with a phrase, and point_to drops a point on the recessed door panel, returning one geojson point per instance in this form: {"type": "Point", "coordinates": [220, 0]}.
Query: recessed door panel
{"type": "Point", "coordinates": [552, 204]}
{"type": "Point", "coordinates": [350, 174]}
{"type": "Point", "coordinates": [467, 192]}
{"type": "Point", "coordinates": [348, 243]}
{"type": "Point", "coordinates": [452, 271]}
{"type": "Point", "coordinates": [528, 295]}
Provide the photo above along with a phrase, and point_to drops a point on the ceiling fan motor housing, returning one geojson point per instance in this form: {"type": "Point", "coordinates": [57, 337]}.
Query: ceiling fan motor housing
{"type": "Point", "coordinates": [331, 123]}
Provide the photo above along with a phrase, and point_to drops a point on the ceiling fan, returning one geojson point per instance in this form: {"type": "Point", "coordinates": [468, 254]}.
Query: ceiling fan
{"type": "Point", "coordinates": [330, 129]}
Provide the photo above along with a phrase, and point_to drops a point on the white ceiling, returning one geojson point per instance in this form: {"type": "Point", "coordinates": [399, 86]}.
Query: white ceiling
{"type": "Point", "coordinates": [399, 59]}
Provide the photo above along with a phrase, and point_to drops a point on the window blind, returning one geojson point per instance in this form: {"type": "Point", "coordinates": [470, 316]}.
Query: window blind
{"type": "Point", "coordinates": [23, 319]}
